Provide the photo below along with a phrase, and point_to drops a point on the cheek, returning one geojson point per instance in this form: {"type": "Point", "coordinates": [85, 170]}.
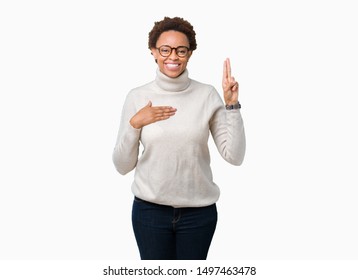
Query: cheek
{"type": "Point", "coordinates": [185, 62]}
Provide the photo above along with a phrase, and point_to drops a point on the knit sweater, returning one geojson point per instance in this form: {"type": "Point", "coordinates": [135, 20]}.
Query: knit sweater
{"type": "Point", "coordinates": [174, 167]}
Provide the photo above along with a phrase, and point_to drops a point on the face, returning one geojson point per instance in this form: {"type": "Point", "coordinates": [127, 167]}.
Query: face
{"type": "Point", "coordinates": [173, 65]}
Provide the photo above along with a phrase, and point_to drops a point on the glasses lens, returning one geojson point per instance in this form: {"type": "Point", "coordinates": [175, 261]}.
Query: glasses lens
{"type": "Point", "coordinates": [182, 51]}
{"type": "Point", "coordinates": [165, 50]}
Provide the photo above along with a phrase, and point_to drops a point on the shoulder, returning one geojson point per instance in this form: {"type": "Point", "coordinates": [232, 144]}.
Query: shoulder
{"type": "Point", "coordinates": [204, 88]}
{"type": "Point", "coordinates": [208, 90]}
{"type": "Point", "coordinates": [139, 95]}
{"type": "Point", "coordinates": [209, 93]}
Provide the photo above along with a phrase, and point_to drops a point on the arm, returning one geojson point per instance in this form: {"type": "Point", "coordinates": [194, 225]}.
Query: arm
{"type": "Point", "coordinates": [126, 149]}
{"type": "Point", "coordinates": [227, 129]}
{"type": "Point", "coordinates": [226, 126]}
{"type": "Point", "coordinates": [125, 153]}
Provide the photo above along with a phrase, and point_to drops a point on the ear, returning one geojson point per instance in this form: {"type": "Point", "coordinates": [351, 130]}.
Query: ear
{"type": "Point", "coordinates": [189, 55]}
{"type": "Point", "coordinates": [154, 53]}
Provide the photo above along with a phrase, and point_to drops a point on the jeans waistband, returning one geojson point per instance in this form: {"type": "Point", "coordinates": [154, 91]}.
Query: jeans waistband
{"type": "Point", "coordinates": [168, 206]}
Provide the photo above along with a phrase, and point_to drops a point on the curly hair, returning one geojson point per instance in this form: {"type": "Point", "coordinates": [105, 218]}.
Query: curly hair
{"type": "Point", "coordinates": [176, 24]}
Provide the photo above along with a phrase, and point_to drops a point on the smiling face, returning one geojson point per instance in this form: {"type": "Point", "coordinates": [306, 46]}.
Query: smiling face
{"type": "Point", "coordinates": [172, 65]}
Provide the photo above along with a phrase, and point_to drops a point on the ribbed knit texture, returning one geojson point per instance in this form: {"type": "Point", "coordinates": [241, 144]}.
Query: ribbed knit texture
{"type": "Point", "coordinates": [174, 168]}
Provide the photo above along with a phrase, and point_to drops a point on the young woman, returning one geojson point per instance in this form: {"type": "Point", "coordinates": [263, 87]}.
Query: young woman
{"type": "Point", "coordinates": [174, 212]}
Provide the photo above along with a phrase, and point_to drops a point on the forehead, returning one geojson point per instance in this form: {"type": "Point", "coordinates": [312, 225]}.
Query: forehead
{"type": "Point", "coordinates": [173, 38]}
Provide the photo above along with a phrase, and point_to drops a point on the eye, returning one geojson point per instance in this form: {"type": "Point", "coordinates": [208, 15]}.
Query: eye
{"type": "Point", "coordinates": [182, 51]}
{"type": "Point", "coordinates": [164, 50]}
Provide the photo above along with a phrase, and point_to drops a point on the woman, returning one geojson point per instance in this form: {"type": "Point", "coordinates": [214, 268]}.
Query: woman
{"type": "Point", "coordinates": [174, 213]}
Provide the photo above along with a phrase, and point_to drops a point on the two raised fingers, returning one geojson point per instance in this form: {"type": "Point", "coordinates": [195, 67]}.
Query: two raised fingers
{"type": "Point", "coordinates": [227, 78]}
{"type": "Point", "coordinates": [227, 70]}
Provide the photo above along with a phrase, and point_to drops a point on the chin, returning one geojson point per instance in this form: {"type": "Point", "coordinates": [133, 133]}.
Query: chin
{"type": "Point", "coordinates": [173, 74]}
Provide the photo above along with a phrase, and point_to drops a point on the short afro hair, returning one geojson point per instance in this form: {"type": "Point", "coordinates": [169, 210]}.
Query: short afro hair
{"type": "Point", "coordinates": [176, 24]}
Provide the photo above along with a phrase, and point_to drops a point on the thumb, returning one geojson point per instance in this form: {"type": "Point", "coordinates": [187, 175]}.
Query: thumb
{"type": "Point", "coordinates": [149, 104]}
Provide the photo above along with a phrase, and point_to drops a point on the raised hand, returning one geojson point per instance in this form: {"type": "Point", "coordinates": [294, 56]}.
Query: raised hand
{"type": "Point", "coordinates": [230, 86]}
{"type": "Point", "coordinates": [149, 114]}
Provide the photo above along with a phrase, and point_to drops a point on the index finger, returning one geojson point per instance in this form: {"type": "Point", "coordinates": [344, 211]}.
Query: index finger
{"type": "Point", "coordinates": [163, 107]}
{"type": "Point", "coordinates": [228, 66]}
{"type": "Point", "coordinates": [227, 70]}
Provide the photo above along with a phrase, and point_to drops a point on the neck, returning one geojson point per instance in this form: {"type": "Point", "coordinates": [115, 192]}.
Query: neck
{"type": "Point", "coordinates": [179, 83]}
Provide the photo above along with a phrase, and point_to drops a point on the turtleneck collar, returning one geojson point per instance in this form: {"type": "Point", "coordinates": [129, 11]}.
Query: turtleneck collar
{"type": "Point", "coordinates": [166, 83]}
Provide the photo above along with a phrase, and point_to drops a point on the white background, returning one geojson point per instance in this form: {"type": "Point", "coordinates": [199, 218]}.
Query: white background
{"type": "Point", "coordinates": [65, 69]}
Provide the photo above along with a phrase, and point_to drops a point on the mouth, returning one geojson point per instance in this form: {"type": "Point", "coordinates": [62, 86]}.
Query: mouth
{"type": "Point", "coordinates": [172, 66]}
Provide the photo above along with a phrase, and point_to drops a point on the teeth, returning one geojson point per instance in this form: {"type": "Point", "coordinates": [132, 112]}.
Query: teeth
{"type": "Point", "coordinates": [172, 65]}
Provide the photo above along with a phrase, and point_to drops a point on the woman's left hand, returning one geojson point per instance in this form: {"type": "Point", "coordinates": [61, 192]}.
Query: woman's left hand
{"type": "Point", "coordinates": [230, 86]}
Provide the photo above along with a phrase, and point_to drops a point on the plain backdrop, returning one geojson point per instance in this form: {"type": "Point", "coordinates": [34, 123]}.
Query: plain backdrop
{"type": "Point", "coordinates": [66, 67]}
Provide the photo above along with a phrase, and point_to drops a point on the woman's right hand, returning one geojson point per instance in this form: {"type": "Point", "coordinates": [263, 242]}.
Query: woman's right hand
{"type": "Point", "coordinates": [149, 114]}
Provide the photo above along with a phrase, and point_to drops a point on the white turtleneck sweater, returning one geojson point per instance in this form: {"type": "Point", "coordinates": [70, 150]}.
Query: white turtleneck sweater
{"type": "Point", "coordinates": [174, 167]}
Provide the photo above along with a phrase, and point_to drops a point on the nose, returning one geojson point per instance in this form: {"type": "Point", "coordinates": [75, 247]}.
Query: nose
{"type": "Point", "coordinates": [173, 55]}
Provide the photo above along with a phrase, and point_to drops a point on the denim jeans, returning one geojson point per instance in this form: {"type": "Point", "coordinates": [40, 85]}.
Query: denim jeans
{"type": "Point", "coordinates": [167, 233]}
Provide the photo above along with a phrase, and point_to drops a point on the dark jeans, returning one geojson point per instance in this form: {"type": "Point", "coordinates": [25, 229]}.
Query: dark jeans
{"type": "Point", "coordinates": [167, 233]}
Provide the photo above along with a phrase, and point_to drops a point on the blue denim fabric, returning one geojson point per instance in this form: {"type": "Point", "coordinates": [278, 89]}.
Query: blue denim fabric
{"type": "Point", "coordinates": [167, 233]}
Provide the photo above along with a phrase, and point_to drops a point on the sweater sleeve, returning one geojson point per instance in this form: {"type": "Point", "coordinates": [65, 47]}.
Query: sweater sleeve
{"type": "Point", "coordinates": [125, 153]}
{"type": "Point", "coordinates": [227, 129]}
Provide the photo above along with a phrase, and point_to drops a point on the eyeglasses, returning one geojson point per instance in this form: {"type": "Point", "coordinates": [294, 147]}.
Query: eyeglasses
{"type": "Point", "coordinates": [166, 51]}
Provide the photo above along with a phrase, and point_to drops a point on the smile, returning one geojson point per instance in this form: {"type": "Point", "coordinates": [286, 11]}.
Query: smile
{"type": "Point", "coordinates": [172, 65]}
